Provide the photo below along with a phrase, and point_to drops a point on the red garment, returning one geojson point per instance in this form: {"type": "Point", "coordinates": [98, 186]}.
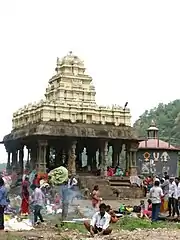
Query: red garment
{"type": "Point", "coordinates": [110, 172]}
{"type": "Point", "coordinates": [95, 199]}
{"type": "Point", "coordinates": [148, 212]}
{"type": "Point", "coordinates": [25, 198]}
{"type": "Point", "coordinates": [36, 182]}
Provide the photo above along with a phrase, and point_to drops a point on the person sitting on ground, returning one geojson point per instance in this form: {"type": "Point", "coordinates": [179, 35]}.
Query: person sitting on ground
{"type": "Point", "coordinates": [142, 206]}
{"type": "Point", "coordinates": [118, 171]}
{"type": "Point", "coordinates": [147, 213]}
{"type": "Point", "coordinates": [110, 172]}
{"type": "Point", "coordinates": [100, 222]}
{"type": "Point", "coordinates": [109, 210]}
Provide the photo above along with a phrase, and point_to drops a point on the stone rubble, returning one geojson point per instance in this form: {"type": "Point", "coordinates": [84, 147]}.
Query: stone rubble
{"type": "Point", "coordinates": [153, 234]}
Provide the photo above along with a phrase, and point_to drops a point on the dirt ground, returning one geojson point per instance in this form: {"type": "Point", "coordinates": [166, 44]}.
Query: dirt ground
{"type": "Point", "coordinates": [49, 232]}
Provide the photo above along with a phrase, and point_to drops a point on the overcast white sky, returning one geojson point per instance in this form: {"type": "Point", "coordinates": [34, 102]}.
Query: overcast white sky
{"type": "Point", "coordinates": [130, 48]}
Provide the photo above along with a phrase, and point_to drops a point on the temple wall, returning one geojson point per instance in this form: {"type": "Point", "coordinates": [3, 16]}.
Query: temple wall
{"type": "Point", "coordinates": [159, 161]}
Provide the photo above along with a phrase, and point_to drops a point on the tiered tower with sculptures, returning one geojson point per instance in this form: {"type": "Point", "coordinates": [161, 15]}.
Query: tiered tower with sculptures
{"type": "Point", "coordinates": [68, 120]}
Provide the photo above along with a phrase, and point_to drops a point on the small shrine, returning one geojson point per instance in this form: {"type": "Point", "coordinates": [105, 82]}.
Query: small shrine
{"type": "Point", "coordinates": [155, 156]}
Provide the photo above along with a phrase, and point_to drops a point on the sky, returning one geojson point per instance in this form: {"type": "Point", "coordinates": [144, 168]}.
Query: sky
{"type": "Point", "coordinates": [130, 48]}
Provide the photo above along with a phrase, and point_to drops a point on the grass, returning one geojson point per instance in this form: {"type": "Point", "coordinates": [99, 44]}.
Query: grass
{"type": "Point", "coordinates": [72, 227]}
{"type": "Point", "coordinates": [129, 223]}
{"type": "Point", "coordinates": [125, 223]}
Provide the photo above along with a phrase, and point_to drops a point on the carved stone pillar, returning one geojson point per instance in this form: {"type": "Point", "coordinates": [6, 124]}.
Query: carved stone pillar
{"type": "Point", "coordinates": [72, 159]}
{"type": "Point", "coordinates": [104, 157]}
{"type": "Point", "coordinates": [127, 159]}
{"type": "Point", "coordinates": [133, 150]}
{"type": "Point", "coordinates": [14, 159]}
{"type": "Point", "coordinates": [114, 155]}
{"type": "Point", "coordinates": [42, 144]}
{"type": "Point", "coordinates": [27, 166]}
{"type": "Point", "coordinates": [8, 167]}
{"type": "Point", "coordinates": [34, 157]}
{"type": "Point", "coordinates": [21, 160]}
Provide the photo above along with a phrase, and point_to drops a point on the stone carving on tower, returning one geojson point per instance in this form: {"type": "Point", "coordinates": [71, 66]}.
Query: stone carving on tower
{"type": "Point", "coordinates": [70, 96]}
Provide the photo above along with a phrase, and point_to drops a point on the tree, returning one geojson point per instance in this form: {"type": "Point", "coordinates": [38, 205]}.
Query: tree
{"type": "Point", "coordinates": [167, 119]}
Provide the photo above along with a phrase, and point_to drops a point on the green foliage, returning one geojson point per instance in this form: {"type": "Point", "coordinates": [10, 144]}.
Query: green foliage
{"type": "Point", "coordinates": [131, 224]}
{"type": "Point", "coordinates": [167, 119]}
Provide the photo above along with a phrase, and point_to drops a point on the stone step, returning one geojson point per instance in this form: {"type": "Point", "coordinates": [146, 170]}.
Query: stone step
{"type": "Point", "coordinates": [119, 184]}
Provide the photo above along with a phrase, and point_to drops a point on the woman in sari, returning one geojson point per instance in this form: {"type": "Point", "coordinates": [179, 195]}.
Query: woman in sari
{"type": "Point", "coordinates": [96, 200]}
{"type": "Point", "coordinates": [25, 197]}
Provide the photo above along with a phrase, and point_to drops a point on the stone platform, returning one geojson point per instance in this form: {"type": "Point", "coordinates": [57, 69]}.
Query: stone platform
{"type": "Point", "coordinates": [111, 188]}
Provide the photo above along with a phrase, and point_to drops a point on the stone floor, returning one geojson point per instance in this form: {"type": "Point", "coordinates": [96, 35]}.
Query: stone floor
{"type": "Point", "coordinates": [114, 203]}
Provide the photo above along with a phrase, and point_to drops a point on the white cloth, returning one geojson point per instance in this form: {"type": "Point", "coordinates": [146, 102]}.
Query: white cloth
{"type": "Point", "coordinates": [156, 179]}
{"type": "Point", "coordinates": [155, 194]}
{"type": "Point", "coordinates": [72, 182]}
{"type": "Point", "coordinates": [177, 191]}
{"type": "Point", "coordinates": [100, 222]}
{"type": "Point", "coordinates": [172, 189]}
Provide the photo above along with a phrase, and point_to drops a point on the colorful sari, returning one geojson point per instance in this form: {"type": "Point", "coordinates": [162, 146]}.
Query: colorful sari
{"type": "Point", "coordinates": [25, 198]}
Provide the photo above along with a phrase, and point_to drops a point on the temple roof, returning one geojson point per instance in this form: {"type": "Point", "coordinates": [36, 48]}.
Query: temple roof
{"type": "Point", "coordinates": [156, 144]}
{"type": "Point", "coordinates": [70, 59]}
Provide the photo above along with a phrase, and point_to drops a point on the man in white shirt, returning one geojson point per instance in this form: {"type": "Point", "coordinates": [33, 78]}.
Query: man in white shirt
{"type": "Point", "coordinates": [176, 197]}
{"type": "Point", "coordinates": [100, 222]}
{"type": "Point", "coordinates": [171, 196]}
{"type": "Point", "coordinates": [155, 195]}
{"type": "Point", "coordinates": [72, 184]}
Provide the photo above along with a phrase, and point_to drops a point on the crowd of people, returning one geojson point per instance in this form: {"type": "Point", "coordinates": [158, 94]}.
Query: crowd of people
{"type": "Point", "coordinates": [33, 197]}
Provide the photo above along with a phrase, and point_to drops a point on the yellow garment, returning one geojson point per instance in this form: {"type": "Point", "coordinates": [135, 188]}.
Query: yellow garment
{"type": "Point", "coordinates": [6, 218]}
{"type": "Point", "coordinates": [129, 209]}
{"type": "Point", "coordinates": [165, 205]}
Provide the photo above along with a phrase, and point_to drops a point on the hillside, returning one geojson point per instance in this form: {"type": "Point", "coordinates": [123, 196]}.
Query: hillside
{"type": "Point", "coordinates": [167, 119]}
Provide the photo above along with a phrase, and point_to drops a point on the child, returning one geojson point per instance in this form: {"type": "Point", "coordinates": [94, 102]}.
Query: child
{"type": "Point", "coordinates": [109, 210]}
{"type": "Point", "coordinates": [148, 213]}
{"type": "Point", "coordinates": [142, 206]}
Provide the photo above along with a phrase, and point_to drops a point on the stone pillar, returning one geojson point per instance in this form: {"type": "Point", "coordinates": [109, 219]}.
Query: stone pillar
{"type": "Point", "coordinates": [72, 159]}
{"type": "Point", "coordinates": [14, 159]}
{"type": "Point", "coordinates": [27, 166]}
{"type": "Point", "coordinates": [34, 157]}
{"type": "Point", "coordinates": [115, 155]}
{"type": "Point", "coordinates": [104, 157]}
{"type": "Point", "coordinates": [133, 150]}
{"type": "Point", "coordinates": [21, 160]}
{"type": "Point", "coordinates": [8, 167]}
{"type": "Point", "coordinates": [127, 160]}
{"type": "Point", "coordinates": [42, 144]}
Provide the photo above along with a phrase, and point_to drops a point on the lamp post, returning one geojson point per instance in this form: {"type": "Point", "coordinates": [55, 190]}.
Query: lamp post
{"type": "Point", "coordinates": [124, 109]}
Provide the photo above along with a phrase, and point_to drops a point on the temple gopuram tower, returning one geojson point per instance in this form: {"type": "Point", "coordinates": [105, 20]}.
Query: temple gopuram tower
{"type": "Point", "coordinates": [56, 129]}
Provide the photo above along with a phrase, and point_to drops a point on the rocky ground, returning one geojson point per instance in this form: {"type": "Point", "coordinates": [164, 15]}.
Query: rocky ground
{"type": "Point", "coordinates": [153, 234]}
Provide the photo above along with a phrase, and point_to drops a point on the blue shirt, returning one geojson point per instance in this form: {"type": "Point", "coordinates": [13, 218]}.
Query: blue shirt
{"type": "Point", "coordinates": [3, 196]}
